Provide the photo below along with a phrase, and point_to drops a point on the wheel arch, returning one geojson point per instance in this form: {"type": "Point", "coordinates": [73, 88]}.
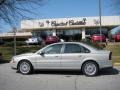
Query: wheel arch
{"type": "Point", "coordinates": [26, 61]}
{"type": "Point", "coordinates": [89, 61]}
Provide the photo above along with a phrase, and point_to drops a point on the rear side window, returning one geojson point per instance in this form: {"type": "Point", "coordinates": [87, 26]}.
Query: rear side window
{"type": "Point", "coordinates": [72, 48]}
{"type": "Point", "coordinates": [84, 50]}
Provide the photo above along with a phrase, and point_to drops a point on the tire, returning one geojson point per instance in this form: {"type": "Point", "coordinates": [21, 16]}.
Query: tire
{"type": "Point", "coordinates": [25, 67]}
{"type": "Point", "coordinates": [90, 68]}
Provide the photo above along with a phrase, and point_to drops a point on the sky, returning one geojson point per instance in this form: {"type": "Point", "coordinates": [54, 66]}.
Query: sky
{"type": "Point", "coordinates": [70, 8]}
{"type": "Point", "coordinates": [74, 8]}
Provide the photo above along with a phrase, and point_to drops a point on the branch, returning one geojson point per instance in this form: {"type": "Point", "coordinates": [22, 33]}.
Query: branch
{"type": "Point", "coordinates": [2, 2]}
{"type": "Point", "coordinates": [13, 10]}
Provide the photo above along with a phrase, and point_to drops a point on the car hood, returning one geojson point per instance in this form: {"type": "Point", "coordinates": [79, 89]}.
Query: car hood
{"type": "Point", "coordinates": [25, 54]}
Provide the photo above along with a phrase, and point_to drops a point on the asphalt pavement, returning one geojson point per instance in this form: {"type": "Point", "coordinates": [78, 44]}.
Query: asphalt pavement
{"type": "Point", "coordinates": [58, 80]}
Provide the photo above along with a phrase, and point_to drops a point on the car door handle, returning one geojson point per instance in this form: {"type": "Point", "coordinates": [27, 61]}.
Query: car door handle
{"type": "Point", "coordinates": [56, 56]}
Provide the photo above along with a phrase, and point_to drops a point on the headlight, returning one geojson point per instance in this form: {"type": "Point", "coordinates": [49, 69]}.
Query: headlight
{"type": "Point", "coordinates": [13, 61]}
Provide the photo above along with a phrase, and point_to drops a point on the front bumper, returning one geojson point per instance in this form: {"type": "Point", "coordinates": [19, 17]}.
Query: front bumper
{"type": "Point", "coordinates": [13, 64]}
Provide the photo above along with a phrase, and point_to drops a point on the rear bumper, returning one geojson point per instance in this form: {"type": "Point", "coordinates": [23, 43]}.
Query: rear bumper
{"type": "Point", "coordinates": [105, 64]}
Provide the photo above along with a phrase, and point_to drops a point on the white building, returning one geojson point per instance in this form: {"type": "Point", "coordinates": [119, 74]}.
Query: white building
{"type": "Point", "coordinates": [70, 28]}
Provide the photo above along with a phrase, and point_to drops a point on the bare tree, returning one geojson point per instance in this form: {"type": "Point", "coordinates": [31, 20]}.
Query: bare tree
{"type": "Point", "coordinates": [12, 10]}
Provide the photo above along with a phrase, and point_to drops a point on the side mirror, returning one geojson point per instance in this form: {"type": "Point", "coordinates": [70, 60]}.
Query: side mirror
{"type": "Point", "coordinates": [42, 53]}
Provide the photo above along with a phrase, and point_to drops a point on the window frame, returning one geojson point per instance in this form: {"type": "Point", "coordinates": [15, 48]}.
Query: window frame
{"type": "Point", "coordinates": [43, 50]}
{"type": "Point", "coordinates": [81, 46]}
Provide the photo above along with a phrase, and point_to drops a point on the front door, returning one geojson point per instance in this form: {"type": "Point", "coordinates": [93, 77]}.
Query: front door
{"type": "Point", "coordinates": [50, 57]}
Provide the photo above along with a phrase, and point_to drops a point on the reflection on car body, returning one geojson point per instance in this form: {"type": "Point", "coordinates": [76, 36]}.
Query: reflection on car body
{"type": "Point", "coordinates": [64, 56]}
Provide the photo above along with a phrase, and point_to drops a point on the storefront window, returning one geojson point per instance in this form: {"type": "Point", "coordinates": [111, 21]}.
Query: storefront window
{"type": "Point", "coordinates": [70, 35]}
{"type": "Point", "coordinates": [91, 31]}
{"type": "Point", "coordinates": [42, 34]}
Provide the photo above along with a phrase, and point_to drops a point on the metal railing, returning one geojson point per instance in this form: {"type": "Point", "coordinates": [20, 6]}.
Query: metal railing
{"type": "Point", "coordinates": [17, 34]}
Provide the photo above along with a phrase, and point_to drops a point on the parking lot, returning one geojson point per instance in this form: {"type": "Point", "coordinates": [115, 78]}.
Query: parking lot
{"type": "Point", "coordinates": [54, 80]}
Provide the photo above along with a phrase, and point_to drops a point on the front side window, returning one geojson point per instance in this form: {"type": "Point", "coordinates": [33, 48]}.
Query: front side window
{"type": "Point", "coordinates": [54, 49]}
{"type": "Point", "coordinates": [72, 48]}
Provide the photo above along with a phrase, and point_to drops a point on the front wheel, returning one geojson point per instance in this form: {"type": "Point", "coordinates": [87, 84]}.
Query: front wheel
{"type": "Point", "coordinates": [90, 68]}
{"type": "Point", "coordinates": [25, 67]}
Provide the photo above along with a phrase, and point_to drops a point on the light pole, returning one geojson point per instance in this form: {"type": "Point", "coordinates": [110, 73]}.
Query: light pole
{"type": "Point", "coordinates": [14, 31]}
{"type": "Point", "coordinates": [100, 11]}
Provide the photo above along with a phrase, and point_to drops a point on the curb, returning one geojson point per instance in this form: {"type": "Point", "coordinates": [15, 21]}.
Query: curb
{"type": "Point", "coordinates": [4, 61]}
{"type": "Point", "coordinates": [116, 64]}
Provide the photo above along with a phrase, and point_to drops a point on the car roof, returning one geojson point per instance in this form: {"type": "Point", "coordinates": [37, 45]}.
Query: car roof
{"type": "Point", "coordinates": [92, 49]}
{"type": "Point", "coordinates": [68, 43]}
{"type": "Point", "coordinates": [80, 43]}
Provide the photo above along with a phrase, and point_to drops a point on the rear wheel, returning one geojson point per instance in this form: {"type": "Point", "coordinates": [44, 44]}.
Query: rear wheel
{"type": "Point", "coordinates": [90, 68]}
{"type": "Point", "coordinates": [25, 67]}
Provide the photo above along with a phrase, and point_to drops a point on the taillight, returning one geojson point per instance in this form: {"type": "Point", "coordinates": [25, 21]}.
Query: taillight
{"type": "Point", "coordinates": [110, 56]}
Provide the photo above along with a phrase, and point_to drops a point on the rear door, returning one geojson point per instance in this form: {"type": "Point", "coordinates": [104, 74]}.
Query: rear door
{"type": "Point", "coordinates": [72, 56]}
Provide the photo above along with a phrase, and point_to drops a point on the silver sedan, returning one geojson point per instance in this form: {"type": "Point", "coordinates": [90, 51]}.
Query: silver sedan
{"type": "Point", "coordinates": [64, 56]}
